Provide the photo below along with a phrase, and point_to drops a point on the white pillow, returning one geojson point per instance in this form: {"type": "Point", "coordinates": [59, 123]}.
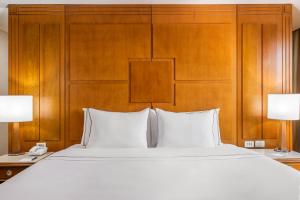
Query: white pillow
{"type": "Point", "coordinates": [152, 132]}
{"type": "Point", "coordinates": [187, 129]}
{"type": "Point", "coordinates": [216, 127]}
{"type": "Point", "coordinates": [117, 129]}
{"type": "Point", "coordinates": [86, 127]}
{"type": "Point", "coordinates": [151, 128]}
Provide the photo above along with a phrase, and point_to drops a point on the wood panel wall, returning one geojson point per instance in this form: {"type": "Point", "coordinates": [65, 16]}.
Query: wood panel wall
{"type": "Point", "coordinates": [36, 41]}
{"type": "Point", "coordinates": [263, 60]}
{"type": "Point", "coordinates": [129, 57]}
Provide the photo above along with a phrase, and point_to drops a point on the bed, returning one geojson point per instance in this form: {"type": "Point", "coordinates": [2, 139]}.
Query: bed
{"type": "Point", "coordinates": [223, 172]}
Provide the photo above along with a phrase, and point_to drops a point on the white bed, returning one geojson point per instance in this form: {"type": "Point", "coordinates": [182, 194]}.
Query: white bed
{"type": "Point", "coordinates": [225, 172]}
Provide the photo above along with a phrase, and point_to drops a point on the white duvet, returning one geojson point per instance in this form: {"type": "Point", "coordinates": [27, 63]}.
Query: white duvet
{"type": "Point", "coordinates": [222, 173]}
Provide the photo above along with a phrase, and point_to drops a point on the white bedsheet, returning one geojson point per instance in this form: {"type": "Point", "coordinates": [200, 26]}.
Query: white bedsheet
{"type": "Point", "coordinates": [222, 173]}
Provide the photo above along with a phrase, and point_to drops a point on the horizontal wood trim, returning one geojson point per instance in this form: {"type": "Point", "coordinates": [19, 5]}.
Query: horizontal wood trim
{"type": "Point", "coordinates": [108, 19]}
{"type": "Point", "coordinates": [36, 9]}
{"type": "Point", "coordinates": [206, 14]}
{"type": "Point", "coordinates": [179, 9]}
{"type": "Point", "coordinates": [9, 164]}
{"type": "Point", "coordinates": [108, 9]}
{"type": "Point", "coordinates": [259, 9]}
{"type": "Point", "coordinates": [192, 9]}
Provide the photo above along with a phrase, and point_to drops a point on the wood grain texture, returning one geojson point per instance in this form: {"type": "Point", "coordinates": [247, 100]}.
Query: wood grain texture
{"type": "Point", "coordinates": [252, 81]}
{"type": "Point", "coordinates": [111, 10]}
{"type": "Point", "coordinates": [152, 81]}
{"type": "Point", "coordinates": [189, 14]}
{"type": "Point", "coordinates": [202, 41]}
{"type": "Point", "coordinates": [29, 59]}
{"type": "Point", "coordinates": [50, 73]}
{"type": "Point", "coordinates": [129, 57]}
{"type": "Point", "coordinates": [260, 9]}
{"type": "Point", "coordinates": [192, 44]}
{"type": "Point", "coordinates": [272, 74]}
{"type": "Point", "coordinates": [141, 88]}
{"type": "Point", "coordinates": [40, 72]}
{"type": "Point", "coordinates": [101, 41]}
{"type": "Point", "coordinates": [261, 62]}
{"type": "Point", "coordinates": [13, 77]}
{"type": "Point", "coordinates": [8, 172]}
{"type": "Point", "coordinates": [287, 62]}
{"type": "Point", "coordinates": [101, 51]}
{"type": "Point", "coordinates": [36, 9]}
{"type": "Point", "coordinates": [292, 163]}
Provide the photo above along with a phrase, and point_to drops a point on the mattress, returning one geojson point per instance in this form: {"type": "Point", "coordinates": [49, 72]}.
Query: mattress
{"type": "Point", "coordinates": [226, 172]}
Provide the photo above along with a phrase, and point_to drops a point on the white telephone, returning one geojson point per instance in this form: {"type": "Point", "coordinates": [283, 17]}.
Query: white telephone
{"type": "Point", "coordinates": [38, 150]}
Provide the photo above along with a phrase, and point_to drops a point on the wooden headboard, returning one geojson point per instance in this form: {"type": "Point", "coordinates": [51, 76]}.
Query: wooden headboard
{"type": "Point", "coordinates": [128, 57]}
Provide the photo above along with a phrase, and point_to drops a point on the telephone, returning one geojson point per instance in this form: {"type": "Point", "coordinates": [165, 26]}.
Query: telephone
{"type": "Point", "coordinates": [38, 150]}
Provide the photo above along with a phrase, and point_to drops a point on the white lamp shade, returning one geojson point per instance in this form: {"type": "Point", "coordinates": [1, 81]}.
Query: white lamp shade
{"type": "Point", "coordinates": [15, 108]}
{"type": "Point", "coordinates": [284, 106]}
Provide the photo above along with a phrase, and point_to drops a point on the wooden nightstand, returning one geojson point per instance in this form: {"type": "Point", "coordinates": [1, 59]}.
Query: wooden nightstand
{"type": "Point", "coordinates": [291, 159]}
{"type": "Point", "coordinates": [12, 165]}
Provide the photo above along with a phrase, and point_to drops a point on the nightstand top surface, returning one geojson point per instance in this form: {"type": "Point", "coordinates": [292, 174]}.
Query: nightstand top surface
{"type": "Point", "coordinates": [6, 159]}
{"type": "Point", "coordinates": [279, 155]}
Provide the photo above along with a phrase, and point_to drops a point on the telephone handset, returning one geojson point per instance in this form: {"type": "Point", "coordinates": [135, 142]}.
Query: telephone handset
{"type": "Point", "coordinates": [38, 150]}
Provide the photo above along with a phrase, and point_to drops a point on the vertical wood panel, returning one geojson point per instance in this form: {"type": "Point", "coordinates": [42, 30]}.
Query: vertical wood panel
{"type": "Point", "coordinates": [50, 82]}
{"type": "Point", "coordinates": [29, 61]}
{"type": "Point", "coordinates": [40, 72]}
{"type": "Point", "coordinates": [272, 72]}
{"type": "Point", "coordinates": [287, 63]}
{"type": "Point", "coordinates": [140, 81]}
{"type": "Point", "coordinates": [13, 75]}
{"type": "Point", "coordinates": [272, 75]}
{"type": "Point", "coordinates": [163, 83]}
{"type": "Point", "coordinates": [252, 81]}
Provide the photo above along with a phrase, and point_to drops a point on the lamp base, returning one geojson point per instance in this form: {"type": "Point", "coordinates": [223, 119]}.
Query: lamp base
{"type": "Point", "coordinates": [281, 150]}
{"type": "Point", "coordinates": [16, 146]}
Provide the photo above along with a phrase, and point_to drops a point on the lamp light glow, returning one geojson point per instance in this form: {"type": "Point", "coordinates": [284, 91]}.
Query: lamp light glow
{"type": "Point", "coordinates": [284, 106]}
{"type": "Point", "coordinates": [16, 108]}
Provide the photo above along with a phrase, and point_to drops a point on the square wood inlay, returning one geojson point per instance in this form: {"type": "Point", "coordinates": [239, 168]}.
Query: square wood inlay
{"type": "Point", "coordinates": [152, 81]}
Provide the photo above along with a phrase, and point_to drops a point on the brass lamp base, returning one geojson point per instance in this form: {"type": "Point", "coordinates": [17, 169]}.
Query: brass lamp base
{"type": "Point", "coordinates": [16, 146]}
{"type": "Point", "coordinates": [283, 145]}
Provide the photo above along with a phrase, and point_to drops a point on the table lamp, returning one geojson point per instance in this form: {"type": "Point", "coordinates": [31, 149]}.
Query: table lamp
{"type": "Point", "coordinates": [16, 109]}
{"type": "Point", "coordinates": [283, 107]}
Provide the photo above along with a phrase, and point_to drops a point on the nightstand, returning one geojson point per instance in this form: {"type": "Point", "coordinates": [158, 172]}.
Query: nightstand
{"type": "Point", "coordinates": [291, 159]}
{"type": "Point", "coordinates": [12, 165]}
